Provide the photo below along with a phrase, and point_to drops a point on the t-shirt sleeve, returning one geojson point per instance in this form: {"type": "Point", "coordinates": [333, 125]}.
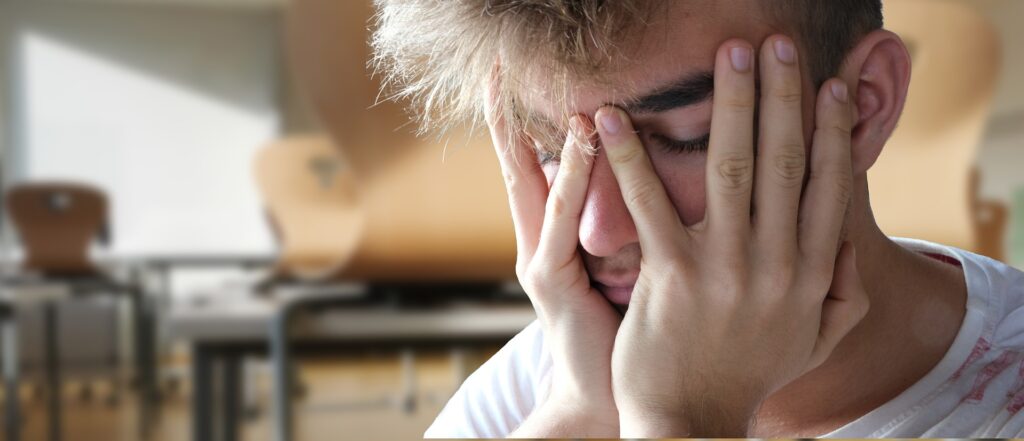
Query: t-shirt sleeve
{"type": "Point", "coordinates": [495, 399]}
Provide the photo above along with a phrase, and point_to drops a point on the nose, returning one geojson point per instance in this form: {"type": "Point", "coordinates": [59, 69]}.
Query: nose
{"type": "Point", "coordinates": [605, 224]}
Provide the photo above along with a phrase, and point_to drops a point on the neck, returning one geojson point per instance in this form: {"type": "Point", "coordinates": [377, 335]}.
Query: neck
{"type": "Point", "coordinates": [917, 305]}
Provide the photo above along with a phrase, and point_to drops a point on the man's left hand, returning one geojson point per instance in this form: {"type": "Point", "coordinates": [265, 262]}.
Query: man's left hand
{"type": "Point", "coordinates": [731, 309]}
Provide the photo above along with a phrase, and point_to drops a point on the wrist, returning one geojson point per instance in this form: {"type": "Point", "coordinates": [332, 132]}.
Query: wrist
{"type": "Point", "coordinates": [585, 409]}
{"type": "Point", "coordinates": [707, 420]}
{"type": "Point", "coordinates": [557, 417]}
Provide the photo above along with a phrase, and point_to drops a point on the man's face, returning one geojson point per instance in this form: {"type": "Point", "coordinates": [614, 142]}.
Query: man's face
{"type": "Point", "coordinates": [669, 100]}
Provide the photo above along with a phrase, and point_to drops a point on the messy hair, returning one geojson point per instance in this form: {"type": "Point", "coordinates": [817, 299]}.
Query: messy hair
{"type": "Point", "coordinates": [441, 56]}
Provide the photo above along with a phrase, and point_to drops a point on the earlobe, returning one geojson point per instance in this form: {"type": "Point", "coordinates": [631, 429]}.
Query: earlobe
{"type": "Point", "coordinates": [878, 71]}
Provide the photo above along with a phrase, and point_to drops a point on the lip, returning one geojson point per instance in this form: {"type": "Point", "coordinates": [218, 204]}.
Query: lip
{"type": "Point", "coordinates": [618, 295]}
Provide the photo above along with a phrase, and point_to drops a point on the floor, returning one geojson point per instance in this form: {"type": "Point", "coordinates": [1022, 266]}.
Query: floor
{"type": "Point", "coordinates": [351, 398]}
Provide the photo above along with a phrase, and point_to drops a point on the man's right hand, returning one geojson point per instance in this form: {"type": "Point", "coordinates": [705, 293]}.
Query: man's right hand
{"type": "Point", "coordinates": [579, 324]}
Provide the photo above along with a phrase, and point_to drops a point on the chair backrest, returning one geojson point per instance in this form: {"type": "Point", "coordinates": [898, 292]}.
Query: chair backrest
{"type": "Point", "coordinates": [430, 209]}
{"type": "Point", "coordinates": [921, 185]}
{"type": "Point", "coordinates": [311, 201]}
{"type": "Point", "coordinates": [57, 222]}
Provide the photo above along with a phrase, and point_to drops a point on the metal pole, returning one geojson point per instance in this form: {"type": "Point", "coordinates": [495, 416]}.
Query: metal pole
{"type": "Point", "coordinates": [12, 401]}
{"type": "Point", "coordinates": [202, 393]}
{"type": "Point", "coordinates": [281, 404]}
{"type": "Point", "coordinates": [53, 371]}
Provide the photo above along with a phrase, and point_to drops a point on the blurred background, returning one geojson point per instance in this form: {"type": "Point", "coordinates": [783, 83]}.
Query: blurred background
{"type": "Point", "coordinates": [209, 231]}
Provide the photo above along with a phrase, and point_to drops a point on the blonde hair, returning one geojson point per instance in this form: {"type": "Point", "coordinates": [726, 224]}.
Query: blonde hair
{"type": "Point", "coordinates": [442, 55]}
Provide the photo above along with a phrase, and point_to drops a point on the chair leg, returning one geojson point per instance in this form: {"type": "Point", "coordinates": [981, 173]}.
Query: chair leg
{"type": "Point", "coordinates": [12, 401]}
{"type": "Point", "coordinates": [53, 389]}
{"type": "Point", "coordinates": [408, 397]}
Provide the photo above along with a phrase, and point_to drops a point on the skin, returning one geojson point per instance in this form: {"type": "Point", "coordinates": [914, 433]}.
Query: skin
{"type": "Point", "coordinates": [825, 317]}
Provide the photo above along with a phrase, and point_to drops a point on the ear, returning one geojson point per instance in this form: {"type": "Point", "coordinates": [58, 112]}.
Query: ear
{"type": "Point", "coordinates": [878, 72]}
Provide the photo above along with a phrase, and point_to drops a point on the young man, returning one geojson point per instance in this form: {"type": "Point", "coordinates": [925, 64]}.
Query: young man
{"type": "Point", "coordinates": [688, 185]}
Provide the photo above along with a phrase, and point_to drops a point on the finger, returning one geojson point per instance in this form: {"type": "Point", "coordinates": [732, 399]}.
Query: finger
{"type": "Point", "coordinates": [845, 306]}
{"type": "Point", "coordinates": [781, 157]}
{"type": "Point", "coordinates": [827, 196]}
{"type": "Point", "coordinates": [730, 163]}
{"type": "Point", "coordinates": [560, 232]}
{"type": "Point", "coordinates": [524, 180]}
{"type": "Point", "coordinates": [657, 222]}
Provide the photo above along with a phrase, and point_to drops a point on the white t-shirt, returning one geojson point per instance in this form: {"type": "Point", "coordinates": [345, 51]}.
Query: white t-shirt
{"type": "Point", "coordinates": [976, 390]}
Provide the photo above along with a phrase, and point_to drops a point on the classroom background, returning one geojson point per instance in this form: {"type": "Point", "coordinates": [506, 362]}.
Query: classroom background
{"type": "Point", "coordinates": [210, 230]}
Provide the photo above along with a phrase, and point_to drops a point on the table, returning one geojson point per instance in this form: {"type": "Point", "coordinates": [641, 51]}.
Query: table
{"type": "Point", "coordinates": [224, 329]}
{"type": "Point", "coordinates": [20, 292]}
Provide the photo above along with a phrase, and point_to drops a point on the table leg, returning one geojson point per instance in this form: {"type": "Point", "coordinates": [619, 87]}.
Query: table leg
{"type": "Point", "coordinates": [230, 382]}
{"type": "Point", "coordinates": [53, 389]}
{"type": "Point", "coordinates": [143, 371]}
{"type": "Point", "coordinates": [281, 365]}
{"type": "Point", "coordinates": [202, 393]}
{"type": "Point", "coordinates": [12, 402]}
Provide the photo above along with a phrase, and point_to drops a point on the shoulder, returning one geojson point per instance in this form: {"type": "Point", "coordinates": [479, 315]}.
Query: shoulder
{"type": "Point", "coordinates": [499, 395]}
{"type": "Point", "coordinates": [995, 291]}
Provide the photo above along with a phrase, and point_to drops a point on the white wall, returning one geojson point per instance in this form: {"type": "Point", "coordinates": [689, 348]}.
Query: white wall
{"type": "Point", "coordinates": [163, 106]}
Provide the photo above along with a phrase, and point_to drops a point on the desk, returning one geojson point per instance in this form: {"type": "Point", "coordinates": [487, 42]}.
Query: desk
{"type": "Point", "coordinates": [38, 290]}
{"type": "Point", "coordinates": [19, 293]}
{"type": "Point", "coordinates": [224, 329]}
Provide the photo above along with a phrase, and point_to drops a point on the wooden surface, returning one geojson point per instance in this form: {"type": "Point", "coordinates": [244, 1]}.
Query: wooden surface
{"type": "Point", "coordinates": [428, 208]}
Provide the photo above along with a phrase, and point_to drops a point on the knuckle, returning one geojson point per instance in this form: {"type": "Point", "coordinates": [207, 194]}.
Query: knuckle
{"type": "Point", "coordinates": [819, 276]}
{"type": "Point", "coordinates": [557, 205]}
{"type": "Point", "coordinates": [626, 155]}
{"type": "Point", "coordinates": [863, 306]}
{"type": "Point", "coordinates": [787, 94]}
{"type": "Point", "coordinates": [739, 103]}
{"type": "Point", "coordinates": [511, 179]}
{"type": "Point", "coordinates": [522, 272]}
{"type": "Point", "coordinates": [736, 172]}
{"type": "Point", "coordinates": [641, 194]}
{"type": "Point", "coordinates": [842, 130]}
{"type": "Point", "coordinates": [535, 276]}
{"type": "Point", "coordinates": [843, 189]}
{"type": "Point", "coordinates": [568, 166]}
{"type": "Point", "coordinates": [789, 165]}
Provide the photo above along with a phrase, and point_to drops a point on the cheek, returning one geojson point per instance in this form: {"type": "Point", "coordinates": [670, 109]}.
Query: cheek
{"type": "Point", "coordinates": [683, 176]}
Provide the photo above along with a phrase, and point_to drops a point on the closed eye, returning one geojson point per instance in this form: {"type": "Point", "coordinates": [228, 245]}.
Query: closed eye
{"type": "Point", "coordinates": [671, 145]}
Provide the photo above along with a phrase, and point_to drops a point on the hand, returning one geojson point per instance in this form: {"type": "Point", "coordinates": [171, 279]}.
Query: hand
{"type": "Point", "coordinates": [579, 325]}
{"type": "Point", "coordinates": [730, 309]}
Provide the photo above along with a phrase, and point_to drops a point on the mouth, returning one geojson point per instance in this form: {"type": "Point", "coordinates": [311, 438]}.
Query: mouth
{"type": "Point", "coordinates": [618, 295]}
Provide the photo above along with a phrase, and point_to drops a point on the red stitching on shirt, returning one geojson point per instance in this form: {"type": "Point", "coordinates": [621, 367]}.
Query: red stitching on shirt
{"type": "Point", "coordinates": [1017, 394]}
{"type": "Point", "coordinates": [980, 348]}
{"type": "Point", "coordinates": [987, 374]}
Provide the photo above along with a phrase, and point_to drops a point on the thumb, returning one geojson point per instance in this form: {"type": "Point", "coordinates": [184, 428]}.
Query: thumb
{"type": "Point", "coordinates": [845, 306]}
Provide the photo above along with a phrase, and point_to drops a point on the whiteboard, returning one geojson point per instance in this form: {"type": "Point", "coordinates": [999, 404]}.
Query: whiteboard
{"type": "Point", "coordinates": [163, 108]}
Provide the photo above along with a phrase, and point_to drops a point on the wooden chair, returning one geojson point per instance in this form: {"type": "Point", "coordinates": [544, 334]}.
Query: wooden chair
{"type": "Point", "coordinates": [921, 186]}
{"type": "Point", "coordinates": [312, 203]}
{"type": "Point", "coordinates": [57, 222]}
{"type": "Point", "coordinates": [428, 209]}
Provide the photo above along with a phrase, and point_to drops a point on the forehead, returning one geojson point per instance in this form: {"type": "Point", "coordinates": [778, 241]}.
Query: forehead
{"type": "Point", "coordinates": [681, 40]}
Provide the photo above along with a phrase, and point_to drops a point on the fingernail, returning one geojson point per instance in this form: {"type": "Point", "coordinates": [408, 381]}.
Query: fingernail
{"type": "Point", "coordinates": [574, 124]}
{"type": "Point", "coordinates": [611, 122]}
{"type": "Point", "coordinates": [785, 51]}
{"type": "Point", "coordinates": [840, 91]}
{"type": "Point", "coordinates": [740, 57]}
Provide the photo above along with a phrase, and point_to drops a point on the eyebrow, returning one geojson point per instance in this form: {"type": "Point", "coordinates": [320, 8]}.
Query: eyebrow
{"type": "Point", "coordinates": [691, 89]}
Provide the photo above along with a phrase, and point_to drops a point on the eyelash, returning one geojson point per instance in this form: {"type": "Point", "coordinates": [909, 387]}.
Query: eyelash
{"type": "Point", "coordinates": [698, 145]}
